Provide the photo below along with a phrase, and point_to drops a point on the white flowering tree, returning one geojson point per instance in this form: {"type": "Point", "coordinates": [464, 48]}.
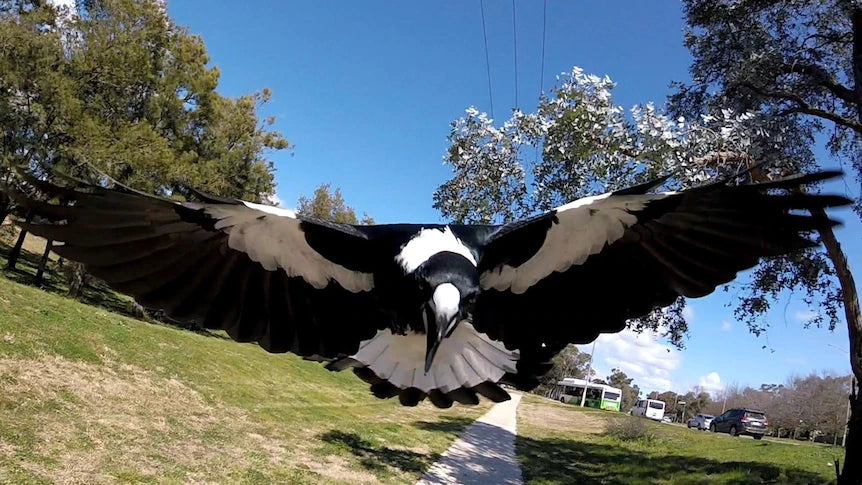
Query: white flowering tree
{"type": "Point", "coordinates": [579, 143]}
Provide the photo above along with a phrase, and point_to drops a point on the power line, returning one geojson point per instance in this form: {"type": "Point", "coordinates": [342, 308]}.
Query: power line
{"type": "Point", "coordinates": [487, 61]}
{"type": "Point", "coordinates": [544, 30]}
{"type": "Point", "coordinates": [515, 44]}
{"type": "Point", "coordinates": [542, 71]}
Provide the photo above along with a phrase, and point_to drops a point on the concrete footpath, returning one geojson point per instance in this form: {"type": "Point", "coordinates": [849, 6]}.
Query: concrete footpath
{"type": "Point", "coordinates": [484, 453]}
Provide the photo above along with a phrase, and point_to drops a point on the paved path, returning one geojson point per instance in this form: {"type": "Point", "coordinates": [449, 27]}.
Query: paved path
{"type": "Point", "coordinates": [484, 453]}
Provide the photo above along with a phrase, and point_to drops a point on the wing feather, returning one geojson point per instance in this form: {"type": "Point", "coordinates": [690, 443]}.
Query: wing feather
{"type": "Point", "coordinates": [599, 261]}
{"type": "Point", "coordinates": [245, 268]}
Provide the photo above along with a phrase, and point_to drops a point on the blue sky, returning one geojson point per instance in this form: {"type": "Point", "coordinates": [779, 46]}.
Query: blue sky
{"type": "Point", "coordinates": [366, 91]}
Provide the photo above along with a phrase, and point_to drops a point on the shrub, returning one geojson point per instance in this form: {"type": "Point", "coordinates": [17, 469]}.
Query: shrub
{"type": "Point", "coordinates": [630, 428]}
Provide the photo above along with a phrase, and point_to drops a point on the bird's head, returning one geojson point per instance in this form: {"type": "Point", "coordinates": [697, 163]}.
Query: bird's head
{"type": "Point", "coordinates": [450, 283]}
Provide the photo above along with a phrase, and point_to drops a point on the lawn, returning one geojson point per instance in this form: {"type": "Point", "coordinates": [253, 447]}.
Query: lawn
{"type": "Point", "coordinates": [92, 396]}
{"type": "Point", "coordinates": [559, 443]}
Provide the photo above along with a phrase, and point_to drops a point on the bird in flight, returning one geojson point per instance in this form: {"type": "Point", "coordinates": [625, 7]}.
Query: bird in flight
{"type": "Point", "coordinates": [444, 312]}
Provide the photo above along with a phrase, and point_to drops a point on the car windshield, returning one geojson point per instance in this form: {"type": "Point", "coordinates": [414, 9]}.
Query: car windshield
{"type": "Point", "coordinates": [752, 415]}
{"type": "Point", "coordinates": [612, 396]}
{"type": "Point", "coordinates": [656, 405]}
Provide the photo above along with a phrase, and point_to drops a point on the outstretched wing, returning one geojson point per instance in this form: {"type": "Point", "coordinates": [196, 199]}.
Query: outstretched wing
{"type": "Point", "coordinates": [261, 273]}
{"type": "Point", "coordinates": [589, 266]}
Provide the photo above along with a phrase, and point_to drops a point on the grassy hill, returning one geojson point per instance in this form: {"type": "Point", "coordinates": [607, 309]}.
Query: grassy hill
{"type": "Point", "coordinates": [92, 396]}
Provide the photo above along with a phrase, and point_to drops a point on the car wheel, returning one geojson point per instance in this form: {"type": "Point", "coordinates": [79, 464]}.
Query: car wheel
{"type": "Point", "coordinates": [757, 436]}
{"type": "Point", "coordinates": [733, 431]}
{"type": "Point", "coordinates": [712, 428]}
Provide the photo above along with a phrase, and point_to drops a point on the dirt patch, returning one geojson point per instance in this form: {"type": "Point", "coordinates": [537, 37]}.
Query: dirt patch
{"type": "Point", "coordinates": [34, 244]}
{"type": "Point", "coordinates": [92, 423]}
{"type": "Point", "coordinates": [7, 450]}
{"type": "Point", "coordinates": [556, 416]}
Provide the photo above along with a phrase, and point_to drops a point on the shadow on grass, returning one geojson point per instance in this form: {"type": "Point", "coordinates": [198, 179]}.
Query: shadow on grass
{"type": "Point", "coordinates": [95, 292]}
{"type": "Point", "coordinates": [556, 460]}
{"type": "Point", "coordinates": [377, 458]}
{"type": "Point", "coordinates": [447, 424]}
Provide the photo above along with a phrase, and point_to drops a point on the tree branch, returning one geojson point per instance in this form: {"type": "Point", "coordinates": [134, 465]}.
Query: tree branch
{"type": "Point", "coordinates": [717, 158]}
{"type": "Point", "coordinates": [802, 106]}
{"type": "Point", "coordinates": [821, 77]}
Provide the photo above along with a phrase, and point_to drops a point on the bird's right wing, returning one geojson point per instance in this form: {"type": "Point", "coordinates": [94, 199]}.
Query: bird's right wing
{"type": "Point", "coordinates": [261, 273]}
{"type": "Point", "coordinates": [589, 266]}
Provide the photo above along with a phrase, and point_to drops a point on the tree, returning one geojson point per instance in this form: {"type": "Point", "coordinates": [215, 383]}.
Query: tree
{"type": "Point", "coordinates": [812, 406]}
{"type": "Point", "coordinates": [37, 96]}
{"type": "Point", "coordinates": [329, 205]}
{"type": "Point", "coordinates": [589, 146]}
{"type": "Point", "coordinates": [117, 86]}
{"type": "Point", "coordinates": [630, 392]}
{"type": "Point", "coordinates": [570, 362]}
{"type": "Point", "coordinates": [799, 62]}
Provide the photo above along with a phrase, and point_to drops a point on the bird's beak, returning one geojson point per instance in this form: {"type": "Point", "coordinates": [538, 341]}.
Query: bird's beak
{"type": "Point", "coordinates": [435, 334]}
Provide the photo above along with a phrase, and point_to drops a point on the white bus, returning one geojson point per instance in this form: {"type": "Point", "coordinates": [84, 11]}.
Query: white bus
{"type": "Point", "coordinates": [649, 408]}
{"type": "Point", "coordinates": [600, 396]}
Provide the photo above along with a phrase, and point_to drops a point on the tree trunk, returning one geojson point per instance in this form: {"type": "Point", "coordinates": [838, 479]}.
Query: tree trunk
{"type": "Point", "coordinates": [5, 208]}
{"type": "Point", "coordinates": [40, 273]}
{"type": "Point", "coordinates": [140, 311]}
{"type": "Point", "coordinates": [16, 250]}
{"type": "Point", "coordinates": [852, 472]}
{"type": "Point", "coordinates": [79, 280]}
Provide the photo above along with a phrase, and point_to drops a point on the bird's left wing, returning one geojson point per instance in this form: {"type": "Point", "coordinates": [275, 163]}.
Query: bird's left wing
{"type": "Point", "coordinates": [589, 266]}
{"type": "Point", "coordinates": [261, 273]}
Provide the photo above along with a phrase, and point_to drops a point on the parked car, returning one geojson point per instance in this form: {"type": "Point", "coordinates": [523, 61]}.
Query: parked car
{"type": "Point", "coordinates": [740, 421]}
{"type": "Point", "coordinates": [701, 421]}
{"type": "Point", "coordinates": [667, 419]}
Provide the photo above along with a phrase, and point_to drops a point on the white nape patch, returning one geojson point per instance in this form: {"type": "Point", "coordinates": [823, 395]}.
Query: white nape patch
{"type": "Point", "coordinates": [447, 300]}
{"type": "Point", "coordinates": [466, 358]}
{"type": "Point", "coordinates": [428, 243]}
{"type": "Point", "coordinates": [272, 237]}
{"type": "Point", "coordinates": [585, 227]}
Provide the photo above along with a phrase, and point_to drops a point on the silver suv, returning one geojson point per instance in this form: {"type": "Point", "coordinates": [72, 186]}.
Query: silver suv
{"type": "Point", "coordinates": [701, 421]}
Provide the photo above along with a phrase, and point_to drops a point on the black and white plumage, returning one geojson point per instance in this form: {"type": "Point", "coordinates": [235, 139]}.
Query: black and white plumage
{"type": "Point", "coordinates": [445, 312]}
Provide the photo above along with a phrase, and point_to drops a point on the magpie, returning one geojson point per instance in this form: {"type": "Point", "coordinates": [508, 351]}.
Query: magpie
{"type": "Point", "coordinates": [447, 312]}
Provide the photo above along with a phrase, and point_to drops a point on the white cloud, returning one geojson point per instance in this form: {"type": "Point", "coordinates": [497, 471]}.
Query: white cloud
{"type": "Point", "coordinates": [641, 356]}
{"type": "Point", "coordinates": [688, 313]}
{"type": "Point", "coordinates": [711, 383]}
{"type": "Point", "coordinates": [805, 315]}
{"type": "Point", "coordinates": [274, 200]}
{"type": "Point", "coordinates": [725, 325]}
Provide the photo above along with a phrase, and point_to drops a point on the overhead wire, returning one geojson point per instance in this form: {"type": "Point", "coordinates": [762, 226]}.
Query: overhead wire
{"type": "Point", "coordinates": [542, 69]}
{"type": "Point", "coordinates": [544, 29]}
{"type": "Point", "coordinates": [487, 61]}
{"type": "Point", "coordinates": [515, 47]}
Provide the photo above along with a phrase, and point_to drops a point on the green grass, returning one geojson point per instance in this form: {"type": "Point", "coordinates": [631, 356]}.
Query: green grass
{"type": "Point", "coordinates": [560, 452]}
{"type": "Point", "coordinates": [89, 395]}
